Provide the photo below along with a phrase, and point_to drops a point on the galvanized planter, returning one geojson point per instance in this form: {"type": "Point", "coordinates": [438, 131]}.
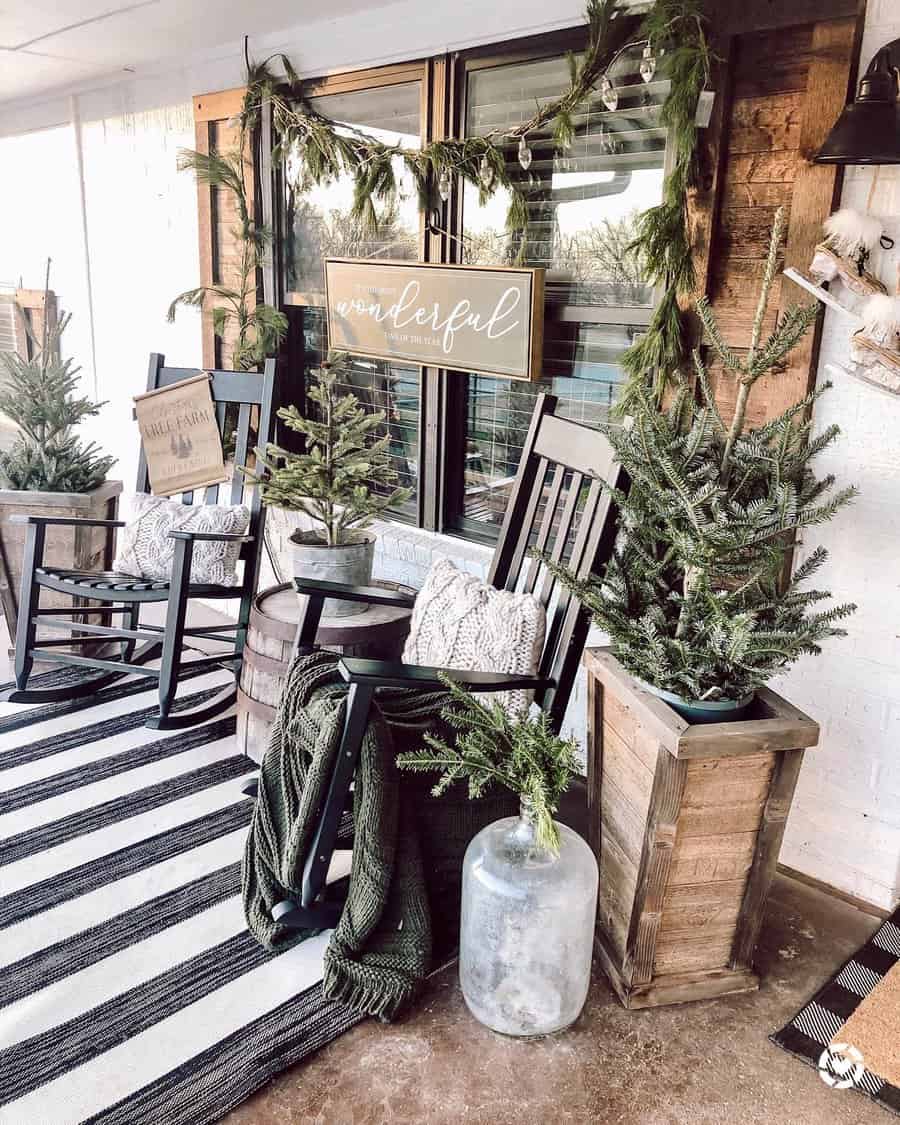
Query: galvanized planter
{"type": "Point", "coordinates": [350, 564]}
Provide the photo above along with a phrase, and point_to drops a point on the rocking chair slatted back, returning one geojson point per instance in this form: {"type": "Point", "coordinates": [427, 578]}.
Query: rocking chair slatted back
{"type": "Point", "coordinates": [560, 507]}
{"type": "Point", "coordinates": [250, 394]}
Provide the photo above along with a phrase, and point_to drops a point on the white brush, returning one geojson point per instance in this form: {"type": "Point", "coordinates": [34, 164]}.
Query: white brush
{"type": "Point", "coordinates": [881, 319]}
{"type": "Point", "coordinates": [850, 232]}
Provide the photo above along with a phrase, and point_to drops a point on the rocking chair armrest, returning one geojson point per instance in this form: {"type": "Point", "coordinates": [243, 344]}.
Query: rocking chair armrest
{"type": "Point", "coordinates": [74, 521]}
{"type": "Point", "coordinates": [371, 595]}
{"type": "Point", "coordinates": [212, 536]}
{"type": "Point", "coordinates": [392, 673]}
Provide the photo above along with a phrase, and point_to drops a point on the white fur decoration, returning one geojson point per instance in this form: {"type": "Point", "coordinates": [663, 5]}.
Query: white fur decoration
{"type": "Point", "coordinates": [850, 231]}
{"type": "Point", "coordinates": [881, 319]}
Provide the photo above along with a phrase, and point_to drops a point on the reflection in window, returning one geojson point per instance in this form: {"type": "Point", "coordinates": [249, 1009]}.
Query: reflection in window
{"type": "Point", "coordinates": [320, 224]}
{"type": "Point", "coordinates": [582, 208]}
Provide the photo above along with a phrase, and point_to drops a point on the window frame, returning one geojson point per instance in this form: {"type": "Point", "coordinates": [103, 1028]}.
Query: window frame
{"type": "Point", "coordinates": [442, 394]}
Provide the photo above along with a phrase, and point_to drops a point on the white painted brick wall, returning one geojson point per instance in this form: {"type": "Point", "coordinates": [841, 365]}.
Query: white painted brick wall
{"type": "Point", "coordinates": [844, 826]}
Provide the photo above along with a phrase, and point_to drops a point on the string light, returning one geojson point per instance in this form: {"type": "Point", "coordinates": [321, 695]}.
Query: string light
{"type": "Point", "coordinates": [525, 154]}
{"type": "Point", "coordinates": [486, 172]}
{"type": "Point", "coordinates": [609, 95]}
{"type": "Point", "coordinates": [648, 64]}
{"type": "Point", "coordinates": [444, 184]}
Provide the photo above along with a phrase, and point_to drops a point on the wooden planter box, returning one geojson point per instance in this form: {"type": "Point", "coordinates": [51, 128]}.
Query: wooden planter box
{"type": "Point", "coordinates": [686, 822]}
{"type": "Point", "coordinates": [83, 548]}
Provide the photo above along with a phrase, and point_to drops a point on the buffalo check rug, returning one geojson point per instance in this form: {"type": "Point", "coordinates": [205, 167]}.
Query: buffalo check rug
{"type": "Point", "coordinates": [850, 1030]}
{"type": "Point", "coordinates": [130, 988]}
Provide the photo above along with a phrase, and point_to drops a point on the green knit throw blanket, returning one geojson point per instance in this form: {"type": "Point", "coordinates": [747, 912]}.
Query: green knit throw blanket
{"type": "Point", "coordinates": [380, 949]}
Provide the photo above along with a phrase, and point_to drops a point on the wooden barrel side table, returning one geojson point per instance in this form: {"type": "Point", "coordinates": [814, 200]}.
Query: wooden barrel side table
{"type": "Point", "coordinates": [378, 634]}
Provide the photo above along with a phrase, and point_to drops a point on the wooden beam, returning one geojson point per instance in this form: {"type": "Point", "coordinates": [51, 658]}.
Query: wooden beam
{"type": "Point", "coordinates": [220, 105]}
{"type": "Point", "coordinates": [738, 17]}
{"type": "Point", "coordinates": [214, 129]}
{"type": "Point", "coordinates": [816, 190]}
{"type": "Point", "coordinates": [768, 845]}
{"type": "Point", "coordinates": [653, 871]}
{"type": "Point", "coordinates": [704, 203]}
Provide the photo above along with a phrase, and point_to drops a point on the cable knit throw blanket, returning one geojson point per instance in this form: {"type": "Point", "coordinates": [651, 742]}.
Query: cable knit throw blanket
{"type": "Point", "coordinates": [380, 949]}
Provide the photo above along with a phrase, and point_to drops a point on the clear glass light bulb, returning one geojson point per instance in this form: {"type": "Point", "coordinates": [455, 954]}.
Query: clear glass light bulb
{"type": "Point", "coordinates": [524, 154]}
{"type": "Point", "coordinates": [444, 185]}
{"type": "Point", "coordinates": [609, 95]}
{"type": "Point", "coordinates": [648, 64]}
{"type": "Point", "coordinates": [486, 172]}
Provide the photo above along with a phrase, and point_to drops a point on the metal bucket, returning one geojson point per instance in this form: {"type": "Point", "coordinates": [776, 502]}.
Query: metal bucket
{"type": "Point", "coordinates": [350, 564]}
{"type": "Point", "coordinates": [703, 711]}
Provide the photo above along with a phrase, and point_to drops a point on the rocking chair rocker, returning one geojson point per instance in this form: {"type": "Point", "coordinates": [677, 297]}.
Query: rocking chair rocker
{"type": "Point", "coordinates": [559, 504]}
{"type": "Point", "coordinates": [124, 594]}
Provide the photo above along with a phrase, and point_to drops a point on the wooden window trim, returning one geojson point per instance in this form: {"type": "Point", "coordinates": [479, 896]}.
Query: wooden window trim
{"type": "Point", "coordinates": [209, 111]}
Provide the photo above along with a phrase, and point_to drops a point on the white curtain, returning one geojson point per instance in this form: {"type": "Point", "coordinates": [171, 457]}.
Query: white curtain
{"type": "Point", "coordinates": [141, 221]}
{"type": "Point", "coordinates": [142, 234]}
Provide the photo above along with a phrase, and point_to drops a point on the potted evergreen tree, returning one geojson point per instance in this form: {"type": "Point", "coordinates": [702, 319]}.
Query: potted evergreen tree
{"type": "Point", "coordinates": [693, 599]}
{"type": "Point", "coordinates": [341, 481]}
{"type": "Point", "coordinates": [48, 469]}
{"type": "Point", "coordinates": [692, 758]}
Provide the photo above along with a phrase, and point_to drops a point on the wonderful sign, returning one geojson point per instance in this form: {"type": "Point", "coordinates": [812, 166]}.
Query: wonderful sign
{"type": "Point", "coordinates": [483, 319]}
{"type": "Point", "coordinates": [180, 436]}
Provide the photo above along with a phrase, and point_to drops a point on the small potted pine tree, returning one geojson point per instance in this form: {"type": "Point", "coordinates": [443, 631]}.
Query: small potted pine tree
{"type": "Point", "coordinates": [692, 758]}
{"type": "Point", "coordinates": [341, 481]}
{"type": "Point", "coordinates": [47, 469]}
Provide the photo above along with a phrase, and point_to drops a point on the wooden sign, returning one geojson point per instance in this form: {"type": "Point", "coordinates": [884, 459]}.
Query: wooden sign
{"type": "Point", "coordinates": [180, 436]}
{"type": "Point", "coordinates": [484, 319]}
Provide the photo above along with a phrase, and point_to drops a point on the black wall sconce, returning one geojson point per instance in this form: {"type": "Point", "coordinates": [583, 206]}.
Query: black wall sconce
{"type": "Point", "coordinates": [868, 130]}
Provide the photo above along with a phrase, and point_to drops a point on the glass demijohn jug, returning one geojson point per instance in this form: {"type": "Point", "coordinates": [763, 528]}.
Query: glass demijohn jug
{"type": "Point", "coordinates": [527, 927]}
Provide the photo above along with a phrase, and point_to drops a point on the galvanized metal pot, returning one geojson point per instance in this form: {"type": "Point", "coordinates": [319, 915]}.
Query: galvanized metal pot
{"type": "Point", "coordinates": [350, 564]}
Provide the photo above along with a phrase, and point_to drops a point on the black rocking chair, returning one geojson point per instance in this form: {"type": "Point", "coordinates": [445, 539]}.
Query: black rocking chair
{"type": "Point", "coordinates": [558, 505]}
{"type": "Point", "coordinates": [252, 395]}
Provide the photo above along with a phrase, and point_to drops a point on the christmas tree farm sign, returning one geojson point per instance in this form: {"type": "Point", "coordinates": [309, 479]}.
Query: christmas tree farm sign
{"type": "Point", "coordinates": [483, 319]}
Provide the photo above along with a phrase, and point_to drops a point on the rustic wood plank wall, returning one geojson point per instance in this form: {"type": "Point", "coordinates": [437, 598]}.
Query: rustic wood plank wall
{"type": "Point", "coordinates": [781, 89]}
{"type": "Point", "coordinates": [32, 309]}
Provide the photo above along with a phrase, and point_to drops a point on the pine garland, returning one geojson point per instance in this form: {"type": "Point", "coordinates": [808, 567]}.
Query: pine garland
{"type": "Point", "coordinates": [328, 150]}
{"type": "Point", "coordinates": [521, 753]}
{"type": "Point", "coordinates": [663, 240]}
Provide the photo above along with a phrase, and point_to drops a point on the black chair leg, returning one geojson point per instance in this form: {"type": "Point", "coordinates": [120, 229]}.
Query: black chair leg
{"type": "Point", "coordinates": [133, 622]}
{"type": "Point", "coordinates": [315, 909]}
{"type": "Point", "coordinates": [29, 597]}
{"type": "Point", "coordinates": [173, 638]}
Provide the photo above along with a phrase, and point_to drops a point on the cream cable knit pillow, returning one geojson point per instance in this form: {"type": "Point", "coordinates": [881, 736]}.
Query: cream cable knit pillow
{"type": "Point", "coordinates": [146, 551]}
{"type": "Point", "coordinates": [461, 622]}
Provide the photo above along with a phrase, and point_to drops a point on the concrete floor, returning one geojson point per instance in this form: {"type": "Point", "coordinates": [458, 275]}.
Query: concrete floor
{"type": "Point", "coordinates": [705, 1063]}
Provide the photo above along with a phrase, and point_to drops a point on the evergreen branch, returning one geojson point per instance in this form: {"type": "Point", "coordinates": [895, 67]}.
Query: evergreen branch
{"type": "Point", "coordinates": [520, 752]}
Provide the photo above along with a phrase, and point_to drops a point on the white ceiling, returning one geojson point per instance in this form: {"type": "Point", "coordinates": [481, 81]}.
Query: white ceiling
{"type": "Point", "coordinates": [55, 45]}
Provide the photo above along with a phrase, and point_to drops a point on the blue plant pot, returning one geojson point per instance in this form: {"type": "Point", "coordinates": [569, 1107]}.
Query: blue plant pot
{"type": "Point", "coordinates": [703, 711]}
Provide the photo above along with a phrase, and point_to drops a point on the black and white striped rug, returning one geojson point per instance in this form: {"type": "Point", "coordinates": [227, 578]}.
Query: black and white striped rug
{"type": "Point", "coordinates": [130, 989]}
